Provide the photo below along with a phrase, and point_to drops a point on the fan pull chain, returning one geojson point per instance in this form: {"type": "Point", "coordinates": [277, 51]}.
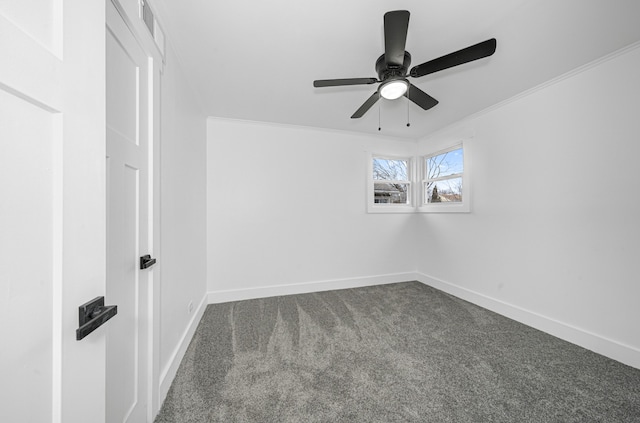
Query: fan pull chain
{"type": "Point", "coordinates": [408, 123]}
{"type": "Point", "coordinates": [379, 117]}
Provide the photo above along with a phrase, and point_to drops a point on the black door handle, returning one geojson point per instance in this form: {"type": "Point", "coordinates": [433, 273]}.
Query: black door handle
{"type": "Point", "coordinates": [146, 261]}
{"type": "Point", "coordinates": [92, 315]}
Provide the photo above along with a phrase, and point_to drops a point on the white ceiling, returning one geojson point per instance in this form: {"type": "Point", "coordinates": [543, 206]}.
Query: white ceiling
{"type": "Point", "coordinates": [256, 60]}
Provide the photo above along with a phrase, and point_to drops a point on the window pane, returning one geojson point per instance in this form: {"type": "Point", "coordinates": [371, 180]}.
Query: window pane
{"type": "Point", "coordinates": [446, 191]}
{"type": "Point", "coordinates": [445, 164]}
{"type": "Point", "coordinates": [387, 169]}
{"type": "Point", "coordinates": [390, 193]}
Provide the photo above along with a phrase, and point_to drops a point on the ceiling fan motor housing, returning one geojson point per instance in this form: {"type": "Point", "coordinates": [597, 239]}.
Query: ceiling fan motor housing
{"type": "Point", "coordinates": [392, 72]}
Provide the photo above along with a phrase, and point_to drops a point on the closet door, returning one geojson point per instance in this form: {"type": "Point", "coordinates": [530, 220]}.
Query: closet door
{"type": "Point", "coordinates": [52, 219]}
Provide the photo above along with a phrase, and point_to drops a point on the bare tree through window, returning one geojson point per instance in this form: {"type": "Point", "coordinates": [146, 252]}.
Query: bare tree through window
{"type": "Point", "coordinates": [391, 181]}
{"type": "Point", "coordinates": [443, 182]}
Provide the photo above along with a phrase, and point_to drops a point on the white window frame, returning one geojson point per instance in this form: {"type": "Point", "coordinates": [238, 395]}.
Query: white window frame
{"type": "Point", "coordinates": [459, 207]}
{"type": "Point", "coordinates": [373, 207]}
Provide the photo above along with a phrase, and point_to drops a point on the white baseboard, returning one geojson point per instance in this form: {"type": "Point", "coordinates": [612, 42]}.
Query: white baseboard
{"type": "Point", "coordinates": [169, 372]}
{"type": "Point", "coordinates": [223, 296]}
{"type": "Point", "coordinates": [609, 348]}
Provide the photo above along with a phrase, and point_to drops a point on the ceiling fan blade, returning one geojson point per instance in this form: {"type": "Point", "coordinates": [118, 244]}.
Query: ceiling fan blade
{"type": "Point", "coordinates": [421, 98]}
{"type": "Point", "coordinates": [469, 54]}
{"type": "Point", "coordinates": [366, 106]}
{"type": "Point", "coordinates": [339, 82]}
{"type": "Point", "coordinates": [396, 24]}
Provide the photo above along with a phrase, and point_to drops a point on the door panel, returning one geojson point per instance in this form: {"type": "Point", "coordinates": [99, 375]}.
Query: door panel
{"type": "Point", "coordinates": [123, 287]}
{"type": "Point", "coordinates": [122, 78]}
{"type": "Point", "coordinates": [26, 163]}
{"type": "Point", "coordinates": [39, 19]}
{"type": "Point", "coordinates": [127, 221]}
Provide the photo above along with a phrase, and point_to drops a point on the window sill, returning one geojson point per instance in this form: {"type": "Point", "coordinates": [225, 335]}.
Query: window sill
{"type": "Point", "coordinates": [445, 208]}
{"type": "Point", "coordinates": [391, 209]}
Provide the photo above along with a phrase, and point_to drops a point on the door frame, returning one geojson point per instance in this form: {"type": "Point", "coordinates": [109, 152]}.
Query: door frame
{"type": "Point", "coordinates": [132, 18]}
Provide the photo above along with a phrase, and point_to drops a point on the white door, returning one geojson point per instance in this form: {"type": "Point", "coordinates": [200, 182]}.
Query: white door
{"type": "Point", "coordinates": [128, 85]}
{"type": "Point", "coordinates": [52, 199]}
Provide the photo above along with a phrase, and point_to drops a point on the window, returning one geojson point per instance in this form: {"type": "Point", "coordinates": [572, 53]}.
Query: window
{"type": "Point", "coordinates": [443, 177]}
{"type": "Point", "coordinates": [437, 182]}
{"type": "Point", "coordinates": [444, 186]}
{"type": "Point", "coordinates": [390, 184]}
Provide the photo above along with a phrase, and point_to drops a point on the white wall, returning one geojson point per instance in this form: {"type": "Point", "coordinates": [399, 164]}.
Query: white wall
{"type": "Point", "coordinates": [287, 212]}
{"type": "Point", "coordinates": [182, 218]}
{"type": "Point", "coordinates": [553, 239]}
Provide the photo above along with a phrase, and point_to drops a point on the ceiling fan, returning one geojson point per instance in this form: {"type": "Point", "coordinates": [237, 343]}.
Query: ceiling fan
{"type": "Point", "coordinates": [393, 64]}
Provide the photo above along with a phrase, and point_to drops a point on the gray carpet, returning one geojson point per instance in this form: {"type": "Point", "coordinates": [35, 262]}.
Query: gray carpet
{"type": "Point", "coordinates": [391, 353]}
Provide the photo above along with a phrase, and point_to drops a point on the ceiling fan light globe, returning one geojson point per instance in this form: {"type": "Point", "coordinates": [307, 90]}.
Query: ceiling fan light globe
{"type": "Point", "coordinates": [393, 89]}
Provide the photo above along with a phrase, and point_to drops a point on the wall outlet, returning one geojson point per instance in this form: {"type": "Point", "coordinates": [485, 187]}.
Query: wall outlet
{"type": "Point", "coordinates": [190, 307]}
